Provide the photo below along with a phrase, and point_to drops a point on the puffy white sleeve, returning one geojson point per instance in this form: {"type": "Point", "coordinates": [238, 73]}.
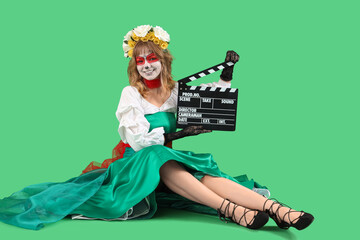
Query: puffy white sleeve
{"type": "Point", "coordinates": [133, 127]}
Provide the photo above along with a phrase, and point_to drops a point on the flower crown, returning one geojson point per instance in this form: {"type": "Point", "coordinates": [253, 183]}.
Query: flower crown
{"type": "Point", "coordinates": [145, 33]}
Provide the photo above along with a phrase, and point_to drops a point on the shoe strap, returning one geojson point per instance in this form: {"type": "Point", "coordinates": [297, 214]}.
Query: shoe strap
{"type": "Point", "coordinates": [275, 213]}
{"type": "Point", "coordinates": [227, 217]}
{"type": "Point", "coordinates": [291, 211]}
{"type": "Point", "coordinates": [222, 216]}
{"type": "Point", "coordinates": [245, 219]}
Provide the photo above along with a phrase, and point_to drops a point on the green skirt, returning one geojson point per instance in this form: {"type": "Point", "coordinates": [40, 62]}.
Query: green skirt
{"type": "Point", "coordinates": [126, 189]}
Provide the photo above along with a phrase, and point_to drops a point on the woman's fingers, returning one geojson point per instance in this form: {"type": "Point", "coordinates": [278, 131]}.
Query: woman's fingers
{"type": "Point", "coordinates": [206, 131]}
{"type": "Point", "coordinates": [195, 130]}
{"type": "Point", "coordinates": [232, 56]}
{"type": "Point", "coordinates": [201, 129]}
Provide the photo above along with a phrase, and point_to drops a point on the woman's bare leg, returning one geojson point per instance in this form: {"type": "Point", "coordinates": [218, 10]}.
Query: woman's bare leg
{"type": "Point", "coordinates": [183, 183]}
{"type": "Point", "coordinates": [243, 196]}
{"type": "Point", "coordinates": [234, 191]}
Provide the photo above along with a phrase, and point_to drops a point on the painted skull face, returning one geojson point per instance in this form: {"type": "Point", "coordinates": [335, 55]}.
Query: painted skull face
{"type": "Point", "coordinates": [148, 65]}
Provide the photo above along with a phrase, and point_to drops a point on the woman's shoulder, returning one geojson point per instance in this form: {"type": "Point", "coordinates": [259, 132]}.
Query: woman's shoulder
{"type": "Point", "coordinates": [176, 87]}
{"type": "Point", "coordinates": [130, 90]}
{"type": "Point", "coordinates": [130, 97]}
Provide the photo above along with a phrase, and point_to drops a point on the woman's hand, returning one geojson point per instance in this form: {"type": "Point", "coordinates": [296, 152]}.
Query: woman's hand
{"type": "Point", "coordinates": [227, 73]}
{"type": "Point", "coordinates": [188, 131]}
{"type": "Point", "coordinates": [195, 130]}
{"type": "Point", "coordinates": [232, 56]}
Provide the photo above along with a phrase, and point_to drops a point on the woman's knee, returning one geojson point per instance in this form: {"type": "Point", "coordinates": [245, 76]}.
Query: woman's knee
{"type": "Point", "coordinates": [167, 165]}
{"type": "Point", "coordinates": [206, 178]}
{"type": "Point", "coordinates": [168, 168]}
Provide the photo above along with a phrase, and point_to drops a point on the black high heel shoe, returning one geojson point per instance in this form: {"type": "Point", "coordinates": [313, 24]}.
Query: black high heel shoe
{"type": "Point", "coordinates": [301, 222]}
{"type": "Point", "coordinates": [259, 220]}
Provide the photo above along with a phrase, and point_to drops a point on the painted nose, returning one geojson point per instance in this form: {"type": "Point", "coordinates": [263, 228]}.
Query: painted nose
{"type": "Point", "coordinates": [147, 65]}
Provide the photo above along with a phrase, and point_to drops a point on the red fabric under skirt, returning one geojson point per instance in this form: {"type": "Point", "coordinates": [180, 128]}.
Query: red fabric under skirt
{"type": "Point", "coordinates": [117, 153]}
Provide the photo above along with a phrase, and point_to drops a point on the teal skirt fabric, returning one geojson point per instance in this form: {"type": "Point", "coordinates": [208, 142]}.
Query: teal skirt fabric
{"type": "Point", "coordinates": [110, 193]}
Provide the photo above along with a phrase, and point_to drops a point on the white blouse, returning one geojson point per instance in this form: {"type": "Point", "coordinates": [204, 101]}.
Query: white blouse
{"type": "Point", "coordinates": [131, 111]}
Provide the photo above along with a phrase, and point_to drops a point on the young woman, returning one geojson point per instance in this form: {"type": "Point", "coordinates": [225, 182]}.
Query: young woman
{"type": "Point", "coordinates": [145, 170]}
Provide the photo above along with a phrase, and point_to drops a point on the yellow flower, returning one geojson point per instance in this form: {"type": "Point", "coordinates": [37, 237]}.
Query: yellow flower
{"type": "Point", "coordinates": [136, 38]}
{"type": "Point", "coordinates": [144, 39]}
{"type": "Point", "coordinates": [164, 45]}
{"type": "Point", "coordinates": [130, 53]}
{"type": "Point", "coordinates": [156, 41]}
{"type": "Point", "coordinates": [151, 36]}
{"type": "Point", "coordinates": [131, 43]}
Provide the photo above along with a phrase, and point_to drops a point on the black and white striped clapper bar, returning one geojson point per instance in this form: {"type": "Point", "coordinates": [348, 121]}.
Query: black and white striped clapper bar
{"type": "Point", "coordinates": [212, 107]}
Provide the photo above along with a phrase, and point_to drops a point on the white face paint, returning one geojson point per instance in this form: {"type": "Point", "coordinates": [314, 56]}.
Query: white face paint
{"type": "Point", "coordinates": [148, 65]}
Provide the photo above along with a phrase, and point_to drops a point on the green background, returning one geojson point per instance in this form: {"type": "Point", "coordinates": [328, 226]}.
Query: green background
{"type": "Point", "coordinates": [62, 72]}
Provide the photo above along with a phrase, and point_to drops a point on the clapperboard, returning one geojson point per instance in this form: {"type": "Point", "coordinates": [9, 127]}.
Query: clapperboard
{"type": "Point", "coordinates": [212, 107]}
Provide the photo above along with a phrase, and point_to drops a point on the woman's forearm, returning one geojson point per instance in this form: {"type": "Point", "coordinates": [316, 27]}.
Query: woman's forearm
{"type": "Point", "coordinates": [188, 131]}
